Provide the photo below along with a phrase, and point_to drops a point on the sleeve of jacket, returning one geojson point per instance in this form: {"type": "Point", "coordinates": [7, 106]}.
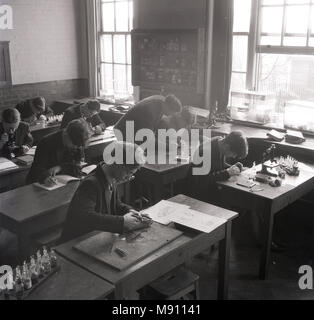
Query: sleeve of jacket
{"type": "Point", "coordinates": [122, 207]}
{"type": "Point", "coordinates": [38, 172]}
{"type": "Point", "coordinates": [83, 212]}
{"type": "Point", "coordinates": [66, 119]}
{"type": "Point", "coordinates": [97, 121]}
{"type": "Point", "coordinates": [28, 140]}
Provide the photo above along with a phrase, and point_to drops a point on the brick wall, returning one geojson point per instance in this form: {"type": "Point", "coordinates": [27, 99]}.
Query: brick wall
{"type": "Point", "coordinates": [52, 90]}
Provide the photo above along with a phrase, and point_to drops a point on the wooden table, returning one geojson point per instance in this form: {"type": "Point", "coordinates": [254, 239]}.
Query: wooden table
{"type": "Point", "coordinates": [176, 253]}
{"type": "Point", "coordinates": [159, 175]}
{"type": "Point", "coordinates": [72, 283]}
{"type": "Point", "coordinates": [29, 210]}
{"type": "Point", "coordinates": [266, 204]}
{"type": "Point", "coordinates": [13, 178]}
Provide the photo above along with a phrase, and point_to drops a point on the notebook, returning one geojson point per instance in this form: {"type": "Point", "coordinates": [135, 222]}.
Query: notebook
{"type": "Point", "coordinates": [61, 181]}
{"type": "Point", "coordinates": [276, 135]}
{"type": "Point", "coordinates": [6, 164]}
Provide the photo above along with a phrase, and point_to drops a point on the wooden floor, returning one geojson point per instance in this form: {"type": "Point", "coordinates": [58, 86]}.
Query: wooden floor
{"type": "Point", "coordinates": [283, 280]}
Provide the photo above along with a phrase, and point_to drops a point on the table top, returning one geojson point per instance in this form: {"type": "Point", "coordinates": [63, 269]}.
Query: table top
{"type": "Point", "coordinates": [176, 249]}
{"type": "Point", "coordinates": [289, 184]}
{"type": "Point", "coordinates": [29, 202]}
{"type": "Point", "coordinates": [72, 283]}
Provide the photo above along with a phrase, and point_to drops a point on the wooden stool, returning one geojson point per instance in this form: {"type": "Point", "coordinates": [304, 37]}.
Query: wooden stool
{"type": "Point", "coordinates": [178, 284]}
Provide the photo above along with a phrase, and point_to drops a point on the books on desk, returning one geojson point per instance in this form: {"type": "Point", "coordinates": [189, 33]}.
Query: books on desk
{"type": "Point", "coordinates": [295, 137]}
{"type": "Point", "coordinates": [6, 164]}
{"type": "Point", "coordinates": [276, 135]}
{"type": "Point", "coordinates": [61, 181]}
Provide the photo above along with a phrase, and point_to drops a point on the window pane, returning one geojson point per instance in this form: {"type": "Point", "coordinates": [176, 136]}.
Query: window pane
{"type": "Point", "coordinates": [240, 48]}
{"type": "Point", "coordinates": [294, 41]}
{"type": "Point", "coordinates": [107, 78]}
{"type": "Point", "coordinates": [311, 43]}
{"type": "Point", "coordinates": [129, 49]}
{"type": "Point", "coordinates": [106, 48]}
{"type": "Point", "coordinates": [130, 87]}
{"type": "Point", "coordinates": [289, 76]}
{"type": "Point", "coordinates": [312, 19]}
{"type": "Point", "coordinates": [297, 1]}
{"type": "Point", "coordinates": [270, 41]}
{"type": "Point", "coordinates": [272, 2]}
{"type": "Point", "coordinates": [120, 79]}
{"type": "Point", "coordinates": [242, 15]}
{"type": "Point", "coordinates": [122, 13]}
{"type": "Point", "coordinates": [297, 19]}
{"type": "Point", "coordinates": [238, 81]}
{"type": "Point", "coordinates": [272, 19]}
{"type": "Point", "coordinates": [108, 16]}
{"type": "Point", "coordinates": [119, 49]}
{"type": "Point", "coordinates": [131, 15]}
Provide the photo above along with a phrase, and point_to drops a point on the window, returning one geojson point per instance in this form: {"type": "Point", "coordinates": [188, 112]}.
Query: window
{"type": "Point", "coordinates": [273, 59]}
{"type": "Point", "coordinates": [5, 67]}
{"type": "Point", "coordinates": [116, 20]}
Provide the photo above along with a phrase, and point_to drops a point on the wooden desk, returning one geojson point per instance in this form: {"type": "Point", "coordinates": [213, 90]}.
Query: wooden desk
{"type": "Point", "coordinates": [13, 178]}
{"type": "Point", "coordinates": [72, 283]}
{"type": "Point", "coordinates": [176, 253]}
{"type": "Point", "coordinates": [29, 210]}
{"type": "Point", "coordinates": [160, 175]}
{"type": "Point", "coordinates": [39, 133]}
{"type": "Point", "coordinates": [266, 204]}
{"type": "Point", "coordinates": [108, 116]}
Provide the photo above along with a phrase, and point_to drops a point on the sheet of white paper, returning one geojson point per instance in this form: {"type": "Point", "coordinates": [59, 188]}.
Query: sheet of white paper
{"type": "Point", "coordinates": [162, 212]}
{"type": "Point", "coordinates": [6, 164]}
{"type": "Point", "coordinates": [31, 151]}
{"type": "Point", "coordinates": [197, 220]}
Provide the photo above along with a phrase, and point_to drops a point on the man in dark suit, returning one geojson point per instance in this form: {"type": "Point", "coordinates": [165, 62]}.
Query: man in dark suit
{"type": "Point", "coordinates": [88, 111]}
{"type": "Point", "coordinates": [235, 147]}
{"type": "Point", "coordinates": [60, 152]}
{"type": "Point", "coordinates": [15, 136]}
{"type": "Point", "coordinates": [34, 109]}
{"type": "Point", "coordinates": [96, 205]}
{"type": "Point", "coordinates": [147, 114]}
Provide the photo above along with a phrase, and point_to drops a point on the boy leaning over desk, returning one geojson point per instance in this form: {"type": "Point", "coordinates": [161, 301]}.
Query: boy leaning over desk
{"type": "Point", "coordinates": [96, 205]}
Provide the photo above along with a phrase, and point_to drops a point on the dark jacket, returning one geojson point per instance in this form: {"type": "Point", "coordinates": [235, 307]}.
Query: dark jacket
{"type": "Point", "coordinates": [50, 153]}
{"type": "Point", "coordinates": [94, 207]}
{"type": "Point", "coordinates": [22, 136]}
{"type": "Point", "coordinates": [146, 115]}
{"type": "Point", "coordinates": [26, 111]}
{"type": "Point", "coordinates": [74, 112]}
{"type": "Point", "coordinates": [204, 187]}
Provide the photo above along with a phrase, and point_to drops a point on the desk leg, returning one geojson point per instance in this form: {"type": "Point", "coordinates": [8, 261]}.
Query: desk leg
{"type": "Point", "coordinates": [266, 250]}
{"type": "Point", "coordinates": [224, 255]}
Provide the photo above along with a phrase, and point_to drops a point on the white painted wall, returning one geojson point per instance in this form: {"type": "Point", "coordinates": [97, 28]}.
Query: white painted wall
{"type": "Point", "coordinates": [47, 40]}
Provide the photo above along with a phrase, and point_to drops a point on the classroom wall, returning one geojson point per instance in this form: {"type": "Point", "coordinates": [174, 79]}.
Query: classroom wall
{"type": "Point", "coordinates": [48, 49]}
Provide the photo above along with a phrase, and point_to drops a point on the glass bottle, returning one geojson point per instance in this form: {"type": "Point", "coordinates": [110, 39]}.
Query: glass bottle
{"type": "Point", "coordinates": [19, 287]}
{"type": "Point", "coordinates": [39, 265]}
{"type": "Point", "coordinates": [46, 261]}
{"type": "Point", "coordinates": [33, 271]}
{"type": "Point", "coordinates": [53, 259]}
{"type": "Point", "coordinates": [27, 281]}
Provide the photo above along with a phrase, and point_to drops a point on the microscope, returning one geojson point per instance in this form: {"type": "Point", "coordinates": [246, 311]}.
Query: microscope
{"type": "Point", "coordinates": [269, 163]}
{"type": "Point", "coordinates": [11, 150]}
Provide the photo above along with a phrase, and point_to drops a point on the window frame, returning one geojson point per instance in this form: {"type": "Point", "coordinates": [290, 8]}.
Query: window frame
{"type": "Point", "coordinates": [102, 33]}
